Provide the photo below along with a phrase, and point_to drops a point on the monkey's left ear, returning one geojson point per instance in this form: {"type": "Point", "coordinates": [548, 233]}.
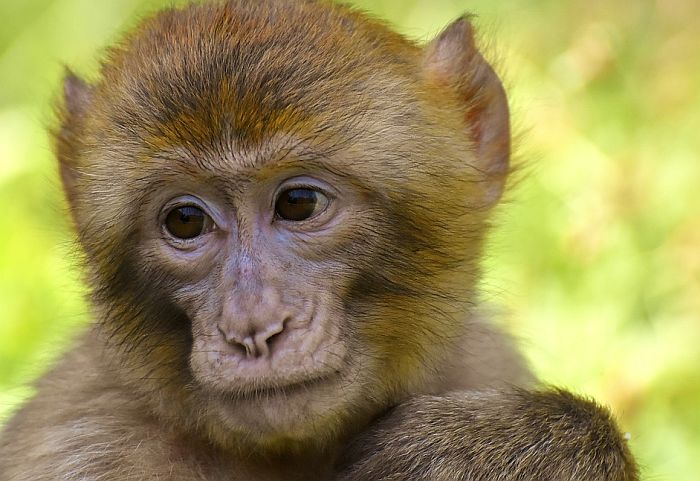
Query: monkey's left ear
{"type": "Point", "coordinates": [77, 96]}
{"type": "Point", "coordinates": [453, 61]}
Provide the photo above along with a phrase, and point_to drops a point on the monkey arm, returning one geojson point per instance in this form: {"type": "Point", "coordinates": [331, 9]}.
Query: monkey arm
{"type": "Point", "coordinates": [548, 435]}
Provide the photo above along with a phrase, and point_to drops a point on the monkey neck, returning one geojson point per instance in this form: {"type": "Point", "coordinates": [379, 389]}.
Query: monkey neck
{"type": "Point", "coordinates": [283, 463]}
{"type": "Point", "coordinates": [289, 466]}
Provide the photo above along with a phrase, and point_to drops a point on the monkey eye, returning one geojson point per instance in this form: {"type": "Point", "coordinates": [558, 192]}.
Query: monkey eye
{"type": "Point", "coordinates": [299, 204]}
{"type": "Point", "coordinates": [187, 222]}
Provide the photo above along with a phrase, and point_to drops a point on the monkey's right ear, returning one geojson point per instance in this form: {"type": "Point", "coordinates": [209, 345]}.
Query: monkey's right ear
{"type": "Point", "coordinates": [452, 61]}
{"type": "Point", "coordinates": [77, 96]}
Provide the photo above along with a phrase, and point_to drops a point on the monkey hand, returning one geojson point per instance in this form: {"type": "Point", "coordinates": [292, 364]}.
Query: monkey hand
{"type": "Point", "coordinates": [516, 435]}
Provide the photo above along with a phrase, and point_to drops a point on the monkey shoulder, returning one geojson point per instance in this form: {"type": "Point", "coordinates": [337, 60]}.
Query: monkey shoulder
{"type": "Point", "coordinates": [82, 424]}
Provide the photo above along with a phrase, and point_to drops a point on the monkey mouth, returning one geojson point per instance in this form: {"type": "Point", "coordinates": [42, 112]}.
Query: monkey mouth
{"type": "Point", "coordinates": [265, 390]}
{"type": "Point", "coordinates": [289, 411]}
{"type": "Point", "coordinates": [282, 374]}
{"type": "Point", "coordinates": [285, 389]}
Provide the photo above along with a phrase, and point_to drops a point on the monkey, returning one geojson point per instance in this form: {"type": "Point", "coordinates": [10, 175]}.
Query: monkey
{"type": "Point", "coordinates": [281, 206]}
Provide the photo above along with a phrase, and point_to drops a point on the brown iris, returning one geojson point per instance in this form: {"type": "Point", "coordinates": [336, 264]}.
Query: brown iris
{"type": "Point", "coordinates": [300, 204]}
{"type": "Point", "coordinates": [186, 222]}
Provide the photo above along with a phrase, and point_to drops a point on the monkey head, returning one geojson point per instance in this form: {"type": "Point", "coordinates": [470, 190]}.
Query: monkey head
{"type": "Point", "coordinates": [281, 209]}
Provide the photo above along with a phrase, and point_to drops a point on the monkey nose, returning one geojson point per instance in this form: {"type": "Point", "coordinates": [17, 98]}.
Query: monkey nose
{"type": "Point", "coordinates": [255, 343]}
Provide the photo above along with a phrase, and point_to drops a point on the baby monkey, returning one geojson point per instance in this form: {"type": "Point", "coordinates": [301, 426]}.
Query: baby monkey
{"type": "Point", "coordinates": [281, 206]}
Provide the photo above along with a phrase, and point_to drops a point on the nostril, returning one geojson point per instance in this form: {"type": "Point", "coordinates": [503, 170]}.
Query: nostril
{"type": "Point", "coordinates": [242, 346]}
{"type": "Point", "coordinates": [263, 340]}
{"type": "Point", "coordinates": [271, 340]}
{"type": "Point", "coordinates": [254, 344]}
{"type": "Point", "coordinates": [274, 341]}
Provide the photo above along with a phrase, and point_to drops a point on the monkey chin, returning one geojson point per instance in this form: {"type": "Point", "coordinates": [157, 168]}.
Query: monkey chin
{"type": "Point", "coordinates": [289, 417]}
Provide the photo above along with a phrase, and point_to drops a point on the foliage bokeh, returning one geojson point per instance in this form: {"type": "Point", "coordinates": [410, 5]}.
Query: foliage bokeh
{"type": "Point", "coordinates": [595, 258]}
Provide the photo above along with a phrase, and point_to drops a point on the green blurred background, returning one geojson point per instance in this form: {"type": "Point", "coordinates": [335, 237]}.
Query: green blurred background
{"type": "Point", "coordinates": [595, 259]}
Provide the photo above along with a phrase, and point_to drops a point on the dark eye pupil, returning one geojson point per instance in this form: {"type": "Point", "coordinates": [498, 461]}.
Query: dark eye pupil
{"type": "Point", "coordinates": [296, 204]}
{"type": "Point", "coordinates": [185, 222]}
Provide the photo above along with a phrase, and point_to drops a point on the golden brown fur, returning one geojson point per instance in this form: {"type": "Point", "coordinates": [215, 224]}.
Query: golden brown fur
{"type": "Point", "coordinates": [223, 102]}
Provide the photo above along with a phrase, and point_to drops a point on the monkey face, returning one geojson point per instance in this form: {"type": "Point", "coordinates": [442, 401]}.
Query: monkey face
{"type": "Point", "coordinates": [281, 226]}
{"type": "Point", "coordinates": [259, 266]}
{"type": "Point", "coordinates": [292, 283]}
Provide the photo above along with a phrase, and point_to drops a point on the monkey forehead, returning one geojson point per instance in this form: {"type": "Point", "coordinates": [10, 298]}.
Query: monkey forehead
{"type": "Point", "coordinates": [242, 71]}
